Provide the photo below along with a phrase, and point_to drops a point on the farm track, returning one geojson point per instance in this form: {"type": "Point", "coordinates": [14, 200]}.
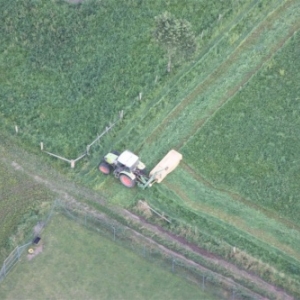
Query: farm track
{"type": "Point", "coordinates": [69, 191]}
{"type": "Point", "coordinates": [217, 73]}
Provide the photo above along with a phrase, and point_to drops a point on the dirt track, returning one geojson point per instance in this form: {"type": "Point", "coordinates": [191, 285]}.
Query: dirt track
{"type": "Point", "coordinates": [67, 190]}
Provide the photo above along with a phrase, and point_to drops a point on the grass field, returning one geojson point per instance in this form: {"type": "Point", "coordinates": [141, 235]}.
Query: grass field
{"type": "Point", "coordinates": [232, 111]}
{"type": "Point", "coordinates": [215, 199]}
{"type": "Point", "coordinates": [82, 264]}
{"type": "Point", "coordinates": [69, 69]}
{"type": "Point", "coordinates": [255, 138]}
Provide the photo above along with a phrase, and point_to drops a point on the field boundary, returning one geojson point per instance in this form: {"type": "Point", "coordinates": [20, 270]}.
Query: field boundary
{"type": "Point", "coordinates": [141, 245]}
{"type": "Point", "coordinates": [14, 257]}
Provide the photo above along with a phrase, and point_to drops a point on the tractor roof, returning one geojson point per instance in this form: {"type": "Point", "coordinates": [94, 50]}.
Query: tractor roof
{"type": "Point", "coordinates": [128, 159]}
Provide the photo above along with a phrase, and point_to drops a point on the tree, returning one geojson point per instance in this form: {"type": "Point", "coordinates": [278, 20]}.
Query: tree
{"type": "Point", "coordinates": [175, 36]}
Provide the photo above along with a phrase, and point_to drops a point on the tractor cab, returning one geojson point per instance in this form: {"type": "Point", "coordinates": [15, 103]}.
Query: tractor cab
{"type": "Point", "coordinates": [128, 160]}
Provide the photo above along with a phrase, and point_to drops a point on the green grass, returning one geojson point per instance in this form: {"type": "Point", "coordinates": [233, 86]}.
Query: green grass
{"type": "Point", "coordinates": [253, 140]}
{"type": "Point", "coordinates": [82, 264]}
{"type": "Point", "coordinates": [22, 201]}
{"type": "Point", "coordinates": [66, 65]}
{"type": "Point", "coordinates": [69, 69]}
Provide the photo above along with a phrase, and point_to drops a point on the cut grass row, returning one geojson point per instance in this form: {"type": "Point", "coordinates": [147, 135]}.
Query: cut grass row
{"type": "Point", "coordinates": [200, 197]}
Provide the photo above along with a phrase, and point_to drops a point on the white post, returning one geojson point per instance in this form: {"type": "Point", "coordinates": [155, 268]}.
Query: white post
{"type": "Point", "coordinates": [16, 129]}
{"type": "Point", "coordinates": [72, 164]}
{"type": "Point", "coordinates": [140, 96]}
{"type": "Point", "coordinates": [42, 146]}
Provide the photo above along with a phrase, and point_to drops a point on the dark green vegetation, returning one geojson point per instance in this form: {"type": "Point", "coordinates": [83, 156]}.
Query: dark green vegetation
{"type": "Point", "coordinates": [232, 111]}
{"type": "Point", "coordinates": [98, 267]}
{"type": "Point", "coordinates": [67, 70]}
{"type": "Point", "coordinates": [175, 36]}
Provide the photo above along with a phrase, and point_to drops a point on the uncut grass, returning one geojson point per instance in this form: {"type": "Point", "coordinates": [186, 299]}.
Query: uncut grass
{"type": "Point", "coordinates": [253, 140]}
{"type": "Point", "coordinates": [70, 68]}
{"type": "Point", "coordinates": [83, 264]}
{"type": "Point", "coordinates": [210, 57]}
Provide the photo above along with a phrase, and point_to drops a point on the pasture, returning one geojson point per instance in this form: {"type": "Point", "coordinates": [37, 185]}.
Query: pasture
{"type": "Point", "coordinates": [82, 264]}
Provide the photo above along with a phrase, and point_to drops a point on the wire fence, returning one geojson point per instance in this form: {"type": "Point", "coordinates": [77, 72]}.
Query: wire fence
{"type": "Point", "coordinates": [72, 162]}
{"type": "Point", "coordinates": [15, 255]}
{"type": "Point", "coordinates": [207, 280]}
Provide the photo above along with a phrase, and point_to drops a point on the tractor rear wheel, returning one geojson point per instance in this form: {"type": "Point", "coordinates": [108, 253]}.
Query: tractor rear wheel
{"type": "Point", "coordinates": [127, 181]}
{"type": "Point", "coordinates": [104, 168]}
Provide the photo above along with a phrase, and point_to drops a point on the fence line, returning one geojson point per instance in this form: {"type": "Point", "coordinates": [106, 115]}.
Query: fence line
{"type": "Point", "coordinates": [72, 162]}
{"type": "Point", "coordinates": [15, 255]}
{"type": "Point", "coordinates": [144, 247]}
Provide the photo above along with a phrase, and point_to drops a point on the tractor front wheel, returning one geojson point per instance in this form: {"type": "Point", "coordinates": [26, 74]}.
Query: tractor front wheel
{"type": "Point", "coordinates": [104, 168]}
{"type": "Point", "coordinates": [127, 181]}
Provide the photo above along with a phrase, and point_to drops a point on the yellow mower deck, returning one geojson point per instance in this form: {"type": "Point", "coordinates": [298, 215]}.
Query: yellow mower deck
{"type": "Point", "coordinates": [166, 165]}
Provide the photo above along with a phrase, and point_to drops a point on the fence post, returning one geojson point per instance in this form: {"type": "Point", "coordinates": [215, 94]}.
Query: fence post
{"type": "Point", "coordinates": [233, 295]}
{"type": "Point", "coordinates": [173, 265]}
{"type": "Point", "coordinates": [4, 269]}
{"type": "Point", "coordinates": [114, 229]}
{"type": "Point", "coordinates": [18, 252]}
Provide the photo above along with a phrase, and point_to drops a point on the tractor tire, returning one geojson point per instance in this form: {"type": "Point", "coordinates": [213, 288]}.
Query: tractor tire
{"type": "Point", "coordinates": [127, 181]}
{"type": "Point", "coordinates": [104, 168]}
